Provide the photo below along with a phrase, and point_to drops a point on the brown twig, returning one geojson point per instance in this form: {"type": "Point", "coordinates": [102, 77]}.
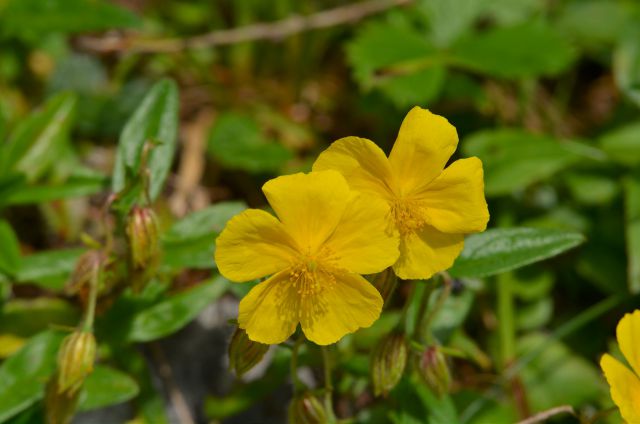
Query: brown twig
{"type": "Point", "coordinates": [545, 415]}
{"type": "Point", "coordinates": [273, 31]}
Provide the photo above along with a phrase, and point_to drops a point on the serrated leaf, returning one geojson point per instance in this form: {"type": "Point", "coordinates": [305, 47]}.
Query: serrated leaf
{"type": "Point", "coordinates": [174, 312]}
{"type": "Point", "coordinates": [525, 50]}
{"type": "Point", "coordinates": [632, 230]}
{"type": "Point", "coordinates": [23, 376]}
{"type": "Point", "coordinates": [39, 139]}
{"type": "Point", "coordinates": [514, 159]}
{"type": "Point", "coordinates": [238, 143]}
{"type": "Point", "coordinates": [31, 18]}
{"type": "Point", "coordinates": [504, 249]}
{"type": "Point", "coordinates": [623, 144]}
{"type": "Point", "coordinates": [154, 121]}
{"type": "Point", "coordinates": [106, 386]}
{"type": "Point", "coordinates": [9, 250]}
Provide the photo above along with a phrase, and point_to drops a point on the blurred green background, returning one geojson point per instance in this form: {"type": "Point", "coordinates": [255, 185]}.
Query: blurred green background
{"type": "Point", "coordinates": [545, 92]}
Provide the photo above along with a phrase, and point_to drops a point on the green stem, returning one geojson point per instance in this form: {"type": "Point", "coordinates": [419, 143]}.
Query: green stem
{"type": "Point", "coordinates": [433, 313]}
{"type": "Point", "coordinates": [419, 330]}
{"type": "Point", "coordinates": [297, 384]}
{"type": "Point", "coordinates": [93, 298]}
{"type": "Point", "coordinates": [402, 322]}
{"type": "Point", "coordinates": [506, 319]}
{"type": "Point", "coordinates": [328, 385]}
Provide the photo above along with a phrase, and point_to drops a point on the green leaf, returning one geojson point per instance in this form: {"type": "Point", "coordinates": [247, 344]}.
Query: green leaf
{"type": "Point", "coordinates": [39, 139]}
{"type": "Point", "coordinates": [49, 269]}
{"type": "Point", "coordinates": [595, 23]}
{"type": "Point", "coordinates": [238, 142]}
{"type": "Point", "coordinates": [9, 250]}
{"type": "Point", "coordinates": [515, 159]}
{"type": "Point", "coordinates": [632, 230]}
{"type": "Point", "coordinates": [592, 189]}
{"type": "Point", "coordinates": [75, 186]}
{"type": "Point", "coordinates": [26, 317]}
{"type": "Point", "coordinates": [398, 61]}
{"type": "Point", "coordinates": [449, 19]}
{"type": "Point", "coordinates": [626, 66]}
{"type": "Point", "coordinates": [106, 386]}
{"type": "Point", "coordinates": [190, 242]}
{"type": "Point", "coordinates": [504, 249]}
{"type": "Point", "coordinates": [526, 50]}
{"type": "Point", "coordinates": [623, 144]}
{"type": "Point", "coordinates": [156, 121]}
{"type": "Point", "coordinates": [173, 313]}
{"type": "Point", "coordinates": [24, 375]}
{"type": "Point", "coordinates": [31, 18]}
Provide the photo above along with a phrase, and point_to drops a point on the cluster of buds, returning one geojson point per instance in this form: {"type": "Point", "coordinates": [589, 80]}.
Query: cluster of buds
{"type": "Point", "coordinates": [244, 353]}
{"type": "Point", "coordinates": [142, 233]}
{"type": "Point", "coordinates": [388, 363]}
{"type": "Point", "coordinates": [307, 409]}
{"type": "Point", "coordinates": [434, 371]}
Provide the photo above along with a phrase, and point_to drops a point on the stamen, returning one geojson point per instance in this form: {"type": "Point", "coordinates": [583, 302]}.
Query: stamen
{"type": "Point", "coordinates": [408, 215]}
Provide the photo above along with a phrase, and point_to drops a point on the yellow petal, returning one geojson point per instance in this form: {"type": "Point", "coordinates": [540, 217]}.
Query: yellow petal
{"type": "Point", "coordinates": [269, 312]}
{"type": "Point", "coordinates": [425, 252]}
{"type": "Point", "coordinates": [628, 335]}
{"type": "Point", "coordinates": [455, 200]}
{"type": "Point", "coordinates": [252, 245]}
{"type": "Point", "coordinates": [625, 388]}
{"type": "Point", "coordinates": [309, 205]}
{"type": "Point", "coordinates": [340, 307]}
{"type": "Point", "coordinates": [363, 164]}
{"type": "Point", "coordinates": [424, 145]}
{"type": "Point", "coordinates": [365, 240]}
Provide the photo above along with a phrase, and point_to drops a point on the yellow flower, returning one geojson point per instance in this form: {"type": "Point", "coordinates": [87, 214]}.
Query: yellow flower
{"type": "Point", "coordinates": [625, 383]}
{"type": "Point", "coordinates": [432, 207]}
{"type": "Point", "coordinates": [325, 237]}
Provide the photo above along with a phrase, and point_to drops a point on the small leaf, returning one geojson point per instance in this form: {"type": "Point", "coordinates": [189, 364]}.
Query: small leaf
{"type": "Point", "coordinates": [106, 386]}
{"type": "Point", "coordinates": [75, 186]}
{"type": "Point", "coordinates": [49, 269]}
{"type": "Point", "coordinates": [24, 375]}
{"type": "Point", "coordinates": [623, 144]}
{"type": "Point", "coordinates": [504, 249]}
{"type": "Point", "coordinates": [515, 159]}
{"type": "Point", "coordinates": [39, 139]}
{"type": "Point", "coordinates": [626, 66]}
{"type": "Point", "coordinates": [524, 50]}
{"type": "Point", "coordinates": [26, 317]}
{"type": "Point", "coordinates": [9, 250]}
{"type": "Point", "coordinates": [154, 121]}
{"type": "Point", "coordinates": [36, 17]}
{"type": "Point", "coordinates": [632, 229]}
{"type": "Point", "coordinates": [237, 142]}
{"type": "Point", "coordinates": [173, 313]}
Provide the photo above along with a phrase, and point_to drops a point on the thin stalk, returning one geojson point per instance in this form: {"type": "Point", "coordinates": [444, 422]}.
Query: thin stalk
{"type": "Point", "coordinates": [506, 320]}
{"type": "Point", "coordinates": [419, 330]}
{"type": "Point", "coordinates": [433, 312]}
{"type": "Point", "coordinates": [93, 298]}
{"type": "Point", "coordinates": [297, 384]}
{"type": "Point", "coordinates": [328, 385]}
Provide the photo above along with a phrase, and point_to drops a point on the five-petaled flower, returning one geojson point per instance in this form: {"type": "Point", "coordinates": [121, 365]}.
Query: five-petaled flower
{"type": "Point", "coordinates": [431, 207]}
{"type": "Point", "coordinates": [625, 382]}
{"type": "Point", "coordinates": [325, 236]}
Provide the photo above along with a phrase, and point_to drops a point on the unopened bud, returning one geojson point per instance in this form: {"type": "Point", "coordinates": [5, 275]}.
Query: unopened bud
{"type": "Point", "coordinates": [244, 353]}
{"type": "Point", "coordinates": [434, 370]}
{"type": "Point", "coordinates": [388, 363]}
{"type": "Point", "coordinates": [75, 360]}
{"type": "Point", "coordinates": [59, 405]}
{"type": "Point", "coordinates": [386, 283]}
{"type": "Point", "coordinates": [87, 266]}
{"type": "Point", "coordinates": [306, 409]}
{"type": "Point", "coordinates": [142, 231]}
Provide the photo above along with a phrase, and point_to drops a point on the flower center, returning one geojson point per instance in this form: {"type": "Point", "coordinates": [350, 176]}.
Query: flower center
{"type": "Point", "coordinates": [310, 274]}
{"type": "Point", "coordinates": [408, 215]}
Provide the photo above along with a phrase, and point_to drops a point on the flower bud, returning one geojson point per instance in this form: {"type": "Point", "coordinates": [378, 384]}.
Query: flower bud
{"type": "Point", "coordinates": [306, 409]}
{"type": "Point", "coordinates": [385, 282]}
{"type": "Point", "coordinates": [244, 353]}
{"type": "Point", "coordinates": [59, 405]}
{"type": "Point", "coordinates": [388, 363]}
{"type": "Point", "coordinates": [87, 265]}
{"type": "Point", "coordinates": [142, 231]}
{"type": "Point", "coordinates": [434, 371]}
{"type": "Point", "coordinates": [75, 360]}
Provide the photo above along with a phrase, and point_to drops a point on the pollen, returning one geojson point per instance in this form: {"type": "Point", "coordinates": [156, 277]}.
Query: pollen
{"type": "Point", "coordinates": [408, 215]}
